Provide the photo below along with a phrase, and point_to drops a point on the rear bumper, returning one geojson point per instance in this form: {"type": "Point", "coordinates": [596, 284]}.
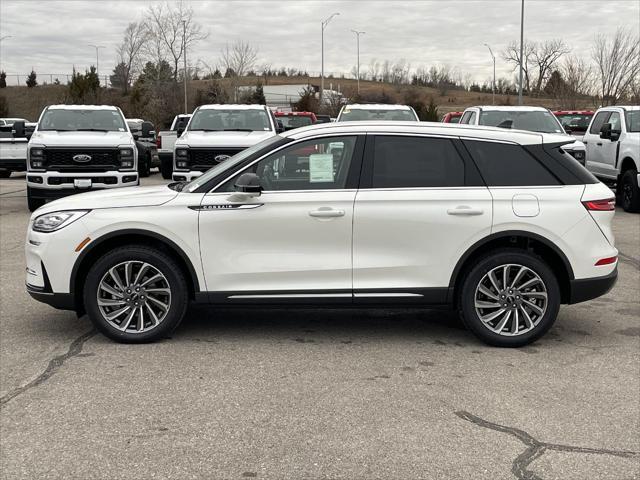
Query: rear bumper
{"type": "Point", "coordinates": [14, 164]}
{"type": "Point", "coordinates": [585, 289]}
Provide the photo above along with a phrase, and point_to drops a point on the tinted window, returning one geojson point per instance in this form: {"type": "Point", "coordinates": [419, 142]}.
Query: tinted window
{"type": "Point", "coordinates": [534, 121]}
{"type": "Point", "coordinates": [402, 162]}
{"type": "Point", "coordinates": [318, 164]}
{"type": "Point", "coordinates": [504, 164]}
{"type": "Point", "coordinates": [600, 120]}
{"type": "Point", "coordinates": [576, 122]}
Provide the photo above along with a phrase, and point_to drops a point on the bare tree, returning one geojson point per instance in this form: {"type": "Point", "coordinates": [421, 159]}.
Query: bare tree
{"type": "Point", "coordinates": [238, 58]}
{"type": "Point", "coordinates": [130, 51]}
{"type": "Point", "coordinates": [544, 56]}
{"type": "Point", "coordinates": [577, 82]}
{"type": "Point", "coordinates": [174, 29]}
{"type": "Point", "coordinates": [512, 55]}
{"type": "Point", "coordinates": [373, 70]}
{"type": "Point", "coordinates": [617, 62]}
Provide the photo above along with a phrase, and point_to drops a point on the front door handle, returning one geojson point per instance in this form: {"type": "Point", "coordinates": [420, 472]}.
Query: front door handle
{"type": "Point", "coordinates": [326, 213]}
{"type": "Point", "coordinates": [465, 210]}
{"type": "Point", "coordinates": [599, 144]}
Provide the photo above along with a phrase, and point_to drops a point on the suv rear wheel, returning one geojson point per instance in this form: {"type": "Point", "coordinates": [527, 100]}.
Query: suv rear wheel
{"type": "Point", "coordinates": [509, 298]}
{"type": "Point", "coordinates": [135, 294]}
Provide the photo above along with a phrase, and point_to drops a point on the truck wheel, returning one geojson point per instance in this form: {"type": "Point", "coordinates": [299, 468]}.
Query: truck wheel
{"type": "Point", "coordinates": [166, 169]}
{"type": "Point", "coordinates": [5, 173]}
{"type": "Point", "coordinates": [135, 294]}
{"type": "Point", "coordinates": [509, 298]}
{"type": "Point", "coordinates": [145, 166]}
{"type": "Point", "coordinates": [33, 203]}
{"type": "Point", "coordinates": [629, 192]}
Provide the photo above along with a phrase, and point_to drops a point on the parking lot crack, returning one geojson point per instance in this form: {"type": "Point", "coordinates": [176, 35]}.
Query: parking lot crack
{"type": "Point", "coordinates": [535, 448]}
{"type": "Point", "coordinates": [629, 259]}
{"type": "Point", "coordinates": [54, 364]}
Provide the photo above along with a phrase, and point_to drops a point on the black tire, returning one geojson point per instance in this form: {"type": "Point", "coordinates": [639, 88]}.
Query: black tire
{"type": "Point", "coordinates": [628, 191]}
{"type": "Point", "coordinates": [5, 173]}
{"type": "Point", "coordinates": [145, 166]}
{"type": "Point", "coordinates": [33, 203]}
{"type": "Point", "coordinates": [166, 169]}
{"type": "Point", "coordinates": [477, 271]}
{"type": "Point", "coordinates": [161, 262]}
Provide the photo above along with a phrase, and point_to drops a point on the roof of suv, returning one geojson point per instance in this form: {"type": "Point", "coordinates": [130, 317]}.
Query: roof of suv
{"type": "Point", "coordinates": [430, 128]}
{"type": "Point", "coordinates": [376, 106]}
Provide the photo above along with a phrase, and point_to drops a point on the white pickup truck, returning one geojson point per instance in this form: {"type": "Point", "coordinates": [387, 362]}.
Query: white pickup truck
{"type": "Point", "coordinates": [217, 132]}
{"type": "Point", "coordinates": [533, 119]}
{"type": "Point", "coordinates": [166, 141]}
{"type": "Point", "coordinates": [76, 148]}
{"type": "Point", "coordinates": [613, 151]}
{"type": "Point", "coordinates": [13, 148]}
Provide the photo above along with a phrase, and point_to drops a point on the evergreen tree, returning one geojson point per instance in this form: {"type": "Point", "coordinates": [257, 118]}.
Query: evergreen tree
{"type": "Point", "coordinates": [258, 95]}
{"type": "Point", "coordinates": [3, 79]}
{"type": "Point", "coordinates": [431, 115]}
{"type": "Point", "coordinates": [31, 80]}
{"type": "Point", "coordinates": [119, 77]}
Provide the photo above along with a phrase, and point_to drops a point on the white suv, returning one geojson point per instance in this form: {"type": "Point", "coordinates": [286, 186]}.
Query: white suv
{"type": "Point", "coordinates": [502, 225]}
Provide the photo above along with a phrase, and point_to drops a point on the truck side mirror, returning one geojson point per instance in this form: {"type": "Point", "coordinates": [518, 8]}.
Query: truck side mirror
{"type": "Point", "coordinates": [147, 128]}
{"type": "Point", "coordinates": [18, 129]}
{"type": "Point", "coordinates": [605, 131]}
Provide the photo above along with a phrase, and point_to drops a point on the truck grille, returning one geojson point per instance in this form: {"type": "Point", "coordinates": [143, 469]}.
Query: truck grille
{"type": "Point", "coordinates": [202, 159]}
{"type": "Point", "coordinates": [61, 160]}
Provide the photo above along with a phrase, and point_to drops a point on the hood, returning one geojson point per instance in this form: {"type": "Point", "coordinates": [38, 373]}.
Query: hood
{"type": "Point", "coordinates": [572, 142]}
{"type": "Point", "coordinates": [81, 139]}
{"type": "Point", "coordinates": [112, 198]}
{"type": "Point", "coordinates": [222, 139]}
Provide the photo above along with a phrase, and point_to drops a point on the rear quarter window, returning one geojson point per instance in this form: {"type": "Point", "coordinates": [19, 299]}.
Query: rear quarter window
{"type": "Point", "coordinates": [508, 165]}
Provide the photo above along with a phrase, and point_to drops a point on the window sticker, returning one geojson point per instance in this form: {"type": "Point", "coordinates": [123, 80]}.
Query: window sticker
{"type": "Point", "coordinates": [320, 167]}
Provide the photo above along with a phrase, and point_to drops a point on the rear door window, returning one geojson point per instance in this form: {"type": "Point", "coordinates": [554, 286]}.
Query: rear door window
{"type": "Point", "coordinates": [405, 162]}
{"type": "Point", "coordinates": [508, 165]}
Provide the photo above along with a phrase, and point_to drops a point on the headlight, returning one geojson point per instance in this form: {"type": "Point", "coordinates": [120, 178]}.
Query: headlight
{"type": "Point", "coordinates": [50, 222]}
{"type": "Point", "coordinates": [126, 152]}
{"type": "Point", "coordinates": [181, 152]}
{"type": "Point", "coordinates": [37, 152]}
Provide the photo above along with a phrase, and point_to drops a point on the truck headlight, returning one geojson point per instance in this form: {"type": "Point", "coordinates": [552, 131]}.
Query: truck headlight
{"type": "Point", "coordinates": [50, 222]}
{"type": "Point", "coordinates": [181, 152]}
{"type": "Point", "coordinates": [126, 152]}
{"type": "Point", "coordinates": [181, 164]}
{"type": "Point", "coordinates": [36, 157]}
{"type": "Point", "coordinates": [127, 160]}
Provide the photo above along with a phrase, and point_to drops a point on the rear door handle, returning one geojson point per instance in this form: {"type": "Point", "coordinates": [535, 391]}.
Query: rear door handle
{"type": "Point", "coordinates": [326, 213]}
{"type": "Point", "coordinates": [599, 144]}
{"type": "Point", "coordinates": [465, 210]}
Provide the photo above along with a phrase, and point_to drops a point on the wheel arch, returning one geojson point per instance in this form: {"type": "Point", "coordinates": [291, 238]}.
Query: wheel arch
{"type": "Point", "coordinates": [527, 241]}
{"type": "Point", "coordinates": [112, 240]}
{"type": "Point", "coordinates": [628, 163]}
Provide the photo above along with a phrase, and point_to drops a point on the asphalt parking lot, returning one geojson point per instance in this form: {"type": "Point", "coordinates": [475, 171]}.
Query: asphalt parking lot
{"type": "Point", "coordinates": [292, 394]}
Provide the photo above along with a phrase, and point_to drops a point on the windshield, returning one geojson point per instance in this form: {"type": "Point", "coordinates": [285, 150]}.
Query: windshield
{"type": "Point", "coordinates": [348, 114]}
{"type": "Point", "coordinates": [578, 122]}
{"type": "Point", "coordinates": [231, 162]}
{"type": "Point", "coordinates": [455, 118]}
{"type": "Point", "coordinates": [216, 120]}
{"type": "Point", "coordinates": [633, 120]}
{"type": "Point", "coordinates": [82, 120]}
{"type": "Point", "coordinates": [290, 122]}
{"type": "Point", "coordinates": [533, 121]}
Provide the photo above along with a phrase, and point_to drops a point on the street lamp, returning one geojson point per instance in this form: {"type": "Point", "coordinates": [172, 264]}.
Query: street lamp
{"type": "Point", "coordinates": [325, 22]}
{"type": "Point", "coordinates": [521, 52]}
{"type": "Point", "coordinates": [358, 49]}
{"type": "Point", "coordinates": [493, 90]}
{"type": "Point", "coordinates": [184, 49]}
{"type": "Point", "coordinates": [97, 47]}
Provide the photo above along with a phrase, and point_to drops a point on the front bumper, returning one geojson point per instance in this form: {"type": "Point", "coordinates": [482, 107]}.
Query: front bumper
{"type": "Point", "coordinates": [584, 289]}
{"type": "Point", "coordinates": [47, 185]}
{"type": "Point", "coordinates": [14, 164]}
{"type": "Point", "coordinates": [185, 176]}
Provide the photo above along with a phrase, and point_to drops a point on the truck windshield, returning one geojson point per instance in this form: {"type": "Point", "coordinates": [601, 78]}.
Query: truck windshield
{"type": "Point", "coordinates": [533, 121]}
{"type": "Point", "coordinates": [578, 122]}
{"type": "Point", "coordinates": [218, 120]}
{"type": "Point", "coordinates": [348, 114]}
{"type": "Point", "coordinates": [290, 122]}
{"type": "Point", "coordinates": [633, 120]}
{"type": "Point", "coordinates": [82, 120]}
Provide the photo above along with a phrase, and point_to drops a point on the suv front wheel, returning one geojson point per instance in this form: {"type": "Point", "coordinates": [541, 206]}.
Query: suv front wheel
{"type": "Point", "coordinates": [135, 294]}
{"type": "Point", "coordinates": [509, 298]}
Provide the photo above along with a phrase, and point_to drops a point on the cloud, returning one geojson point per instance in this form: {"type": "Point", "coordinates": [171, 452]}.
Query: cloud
{"type": "Point", "coordinates": [53, 36]}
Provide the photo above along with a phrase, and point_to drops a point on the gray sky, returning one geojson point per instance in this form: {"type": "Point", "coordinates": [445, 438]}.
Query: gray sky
{"type": "Point", "coordinates": [52, 36]}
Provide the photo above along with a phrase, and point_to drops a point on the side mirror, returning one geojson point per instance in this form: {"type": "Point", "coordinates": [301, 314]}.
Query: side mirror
{"type": "Point", "coordinates": [18, 129]}
{"type": "Point", "coordinates": [249, 184]}
{"type": "Point", "coordinates": [279, 126]}
{"type": "Point", "coordinates": [180, 131]}
{"type": "Point", "coordinates": [567, 129]}
{"type": "Point", "coordinates": [605, 131]}
{"type": "Point", "coordinates": [147, 128]}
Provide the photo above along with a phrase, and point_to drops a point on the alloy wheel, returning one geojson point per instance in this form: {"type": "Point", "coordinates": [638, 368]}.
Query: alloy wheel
{"type": "Point", "coordinates": [511, 299]}
{"type": "Point", "coordinates": [134, 296]}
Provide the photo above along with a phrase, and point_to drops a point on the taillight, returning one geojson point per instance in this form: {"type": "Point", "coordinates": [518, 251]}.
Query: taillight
{"type": "Point", "coordinates": [604, 205]}
{"type": "Point", "coordinates": [158, 141]}
{"type": "Point", "coordinates": [606, 261]}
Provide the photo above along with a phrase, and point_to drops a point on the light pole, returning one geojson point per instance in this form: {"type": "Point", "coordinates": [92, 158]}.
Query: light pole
{"type": "Point", "coordinates": [493, 90]}
{"type": "Point", "coordinates": [358, 50]}
{"type": "Point", "coordinates": [325, 22]}
{"type": "Point", "coordinates": [184, 50]}
{"type": "Point", "coordinates": [97, 47]}
{"type": "Point", "coordinates": [521, 52]}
